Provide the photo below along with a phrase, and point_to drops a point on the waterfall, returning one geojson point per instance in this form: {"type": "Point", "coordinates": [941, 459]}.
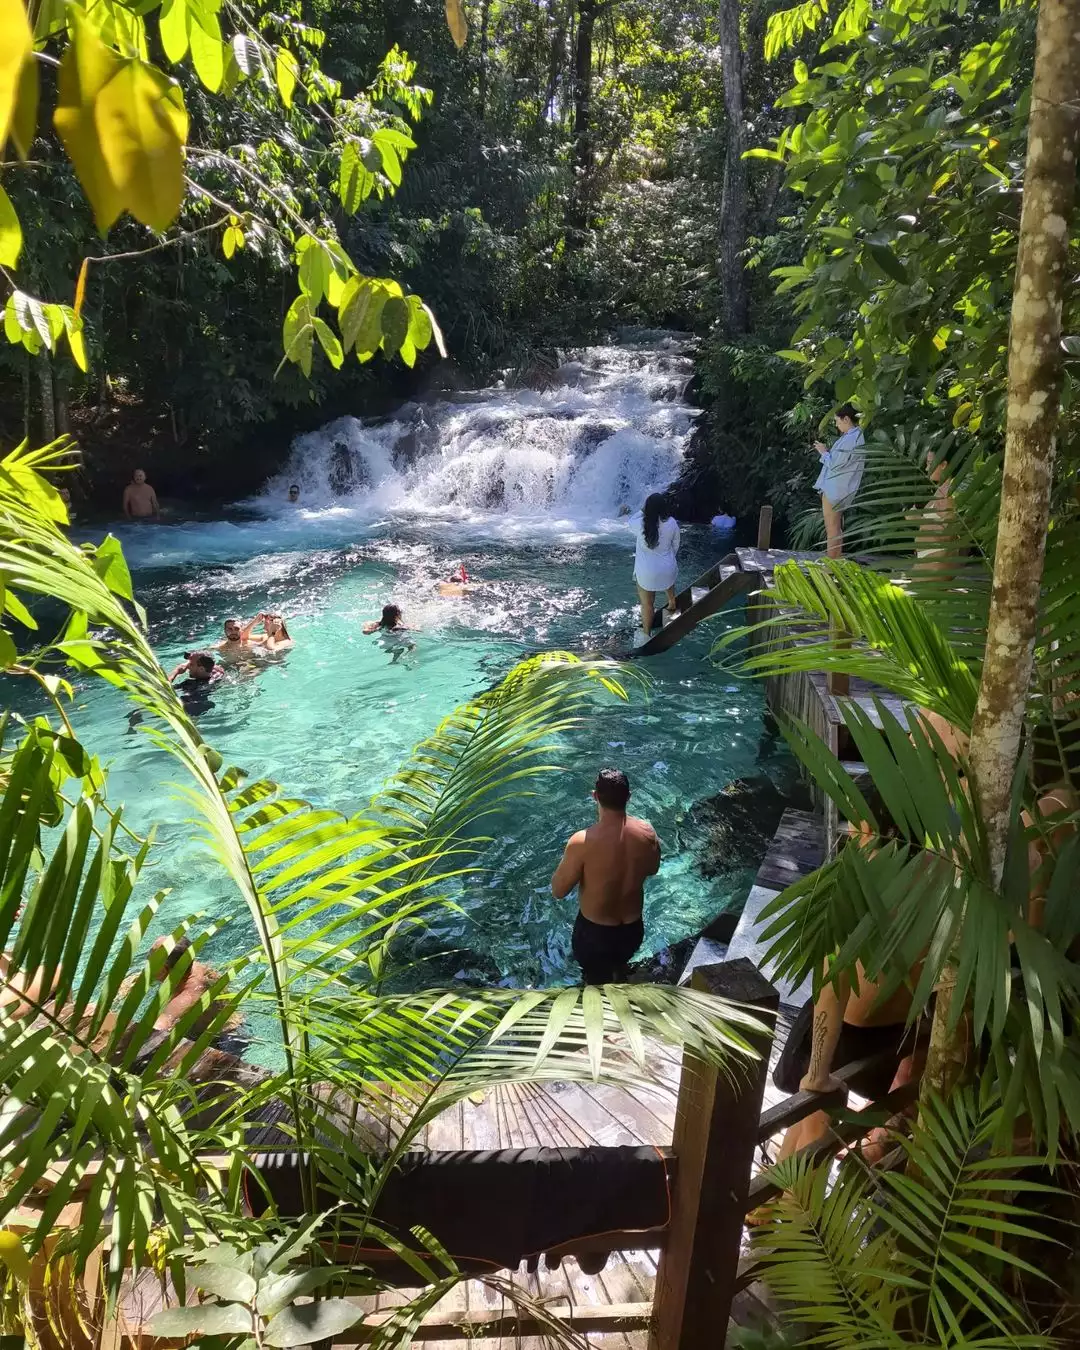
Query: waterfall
{"type": "Point", "coordinates": [611, 427]}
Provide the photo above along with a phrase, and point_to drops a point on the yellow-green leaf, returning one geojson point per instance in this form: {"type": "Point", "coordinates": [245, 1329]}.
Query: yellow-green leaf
{"type": "Point", "coordinates": [76, 341]}
{"type": "Point", "coordinates": [80, 285]}
{"type": "Point", "coordinates": [436, 332]}
{"type": "Point", "coordinates": [360, 316]}
{"type": "Point", "coordinates": [208, 51]}
{"type": "Point", "coordinates": [408, 352]}
{"type": "Point", "coordinates": [12, 327]}
{"type": "Point", "coordinates": [330, 345]}
{"type": "Point", "coordinates": [24, 118]}
{"type": "Point", "coordinates": [395, 323]}
{"type": "Point", "coordinates": [228, 242]}
{"type": "Point", "coordinates": [86, 67]}
{"type": "Point", "coordinates": [455, 18]}
{"type": "Point", "coordinates": [10, 232]}
{"type": "Point", "coordinates": [173, 24]}
{"type": "Point", "coordinates": [287, 69]}
{"type": "Point", "coordinates": [420, 330]}
{"type": "Point", "coordinates": [16, 49]}
{"type": "Point", "coordinates": [142, 123]}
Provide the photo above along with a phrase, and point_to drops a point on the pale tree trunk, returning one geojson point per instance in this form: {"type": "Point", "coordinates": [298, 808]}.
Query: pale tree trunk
{"type": "Point", "coordinates": [733, 210]}
{"type": "Point", "coordinates": [48, 398]}
{"type": "Point", "coordinates": [1030, 431]}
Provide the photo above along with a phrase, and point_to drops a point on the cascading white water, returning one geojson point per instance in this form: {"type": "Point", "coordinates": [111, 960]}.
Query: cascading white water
{"type": "Point", "coordinates": [612, 428]}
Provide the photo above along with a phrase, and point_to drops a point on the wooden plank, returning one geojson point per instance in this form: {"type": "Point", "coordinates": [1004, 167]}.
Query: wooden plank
{"type": "Point", "coordinates": [715, 1142]}
{"type": "Point", "coordinates": [733, 584]}
{"type": "Point", "coordinates": [764, 528]}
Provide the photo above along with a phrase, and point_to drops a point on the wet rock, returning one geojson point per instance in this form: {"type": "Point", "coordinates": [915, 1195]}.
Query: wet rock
{"type": "Point", "coordinates": [341, 474]}
{"type": "Point", "coordinates": [732, 830]}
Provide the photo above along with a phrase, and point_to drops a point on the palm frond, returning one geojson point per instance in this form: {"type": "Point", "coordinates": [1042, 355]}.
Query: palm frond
{"type": "Point", "coordinates": [83, 1107]}
{"type": "Point", "coordinates": [836, 615]}
{"type": "Point", "coordinates": [892, 1259]}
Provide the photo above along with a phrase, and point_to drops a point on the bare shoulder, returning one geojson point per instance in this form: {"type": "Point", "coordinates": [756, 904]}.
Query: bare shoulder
{"type": "Point", "coordinates": [578, 839]}
{"type": "Point", "coordinates": [642, 828]}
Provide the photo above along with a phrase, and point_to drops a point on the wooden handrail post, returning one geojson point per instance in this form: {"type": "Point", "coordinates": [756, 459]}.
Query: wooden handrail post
{"type": "Point", "coordinates": [716, 1127]}
{"type": "Point", "coordinates": [764, 527]}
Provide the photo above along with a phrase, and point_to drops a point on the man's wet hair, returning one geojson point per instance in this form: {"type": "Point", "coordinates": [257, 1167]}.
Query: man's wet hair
{"type": "Point", "coordinates": [612, 789]}
{"type": "Point", "coordinates": [203, 660]}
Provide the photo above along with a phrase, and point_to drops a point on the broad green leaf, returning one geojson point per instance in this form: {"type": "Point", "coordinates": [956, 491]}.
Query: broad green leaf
{"type": "Point", "coordinates": [310, 1322]}
{"type": "Point", "coordinates": [111, 566]}
{"type": "Point", "coordinates": [391, 163]}
{"type": "Point", "coordinates": [287, 70]}
{"type": "Point", "coordinates": [408, 352]}
{"type": "Point", "coordinates": [208, 51]}
{"type": "Point", "coordinates": [24, 119]}
{"type": "Point", "coordinates": [889, 263]}
{"type": "Point", "coordinates": [395, 323]}
{"type": "Point", "coordinates": [16, 50]}
{"type": "Point", "coordinates": [223, 1281]}
{"type": "Point", "coordinates": [330, 345]}
{"type": "Point", "coordinates": [173, 26]}
{"type": "Point", "coordinates": [86, 68]}
{"type": "Point", "coordinates": [10, 232]}
{"type": "Point", "coordinates": [8, 653]}
{"type": "Point", "coordinates": [208, 1319]}
{"type": "Point", "coordinates": [420, 329]}
{"type": "Point", "coordinates": [314, 271]}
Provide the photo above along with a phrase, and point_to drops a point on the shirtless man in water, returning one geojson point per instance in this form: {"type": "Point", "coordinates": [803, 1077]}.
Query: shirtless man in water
{"type": "Point", "coordinates": [140, 499]}
{"type": "Point", "coordinates": [608, 863]}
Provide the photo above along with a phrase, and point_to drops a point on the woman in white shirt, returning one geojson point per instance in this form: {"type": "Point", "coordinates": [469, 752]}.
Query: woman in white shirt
{"type": "Point", "coordinates": [655, 562]}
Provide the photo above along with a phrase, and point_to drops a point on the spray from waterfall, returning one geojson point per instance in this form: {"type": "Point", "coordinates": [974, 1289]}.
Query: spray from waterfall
{"type": "Point", "coordinates": [611, 428]}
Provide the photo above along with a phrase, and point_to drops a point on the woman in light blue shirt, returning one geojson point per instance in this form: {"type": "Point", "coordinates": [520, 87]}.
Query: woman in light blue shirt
{"type": "Point", "coordinates": [841, 473]}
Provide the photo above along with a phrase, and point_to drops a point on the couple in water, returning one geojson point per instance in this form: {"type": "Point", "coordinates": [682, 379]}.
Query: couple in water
{"type": "Point", "coordinates": [202, 670]}
{"type": "Point", "coordinates": [391, 626]}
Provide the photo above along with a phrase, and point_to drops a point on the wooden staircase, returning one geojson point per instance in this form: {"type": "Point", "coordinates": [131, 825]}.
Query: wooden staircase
{"type": "Point", "coordinates": [703, 598]}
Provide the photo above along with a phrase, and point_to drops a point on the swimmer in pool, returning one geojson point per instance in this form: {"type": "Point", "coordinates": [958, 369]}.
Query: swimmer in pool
{"type": "Point", "coordinates": [236, 645]}
{"type": "Point", "coordinates": [393, 634]}
{"type": "Point", "coordinates": [202, 672]}
{"type": "Point", "coordinates": [275, 636]}
{"type": "Point", "coordinates": [294, 493]}
{"type": "Point", "coordinates": [456, 587]}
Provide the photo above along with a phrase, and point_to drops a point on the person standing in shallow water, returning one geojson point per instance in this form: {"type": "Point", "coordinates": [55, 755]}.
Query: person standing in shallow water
{"type": "Point", "coordinates": [140, 499]}
{"type": "Point", "coordinates": [656, 562]}
{"type": "Point", "coordinates": [608, 863]}
{"type": "Point", "coordinates": [841, 474]}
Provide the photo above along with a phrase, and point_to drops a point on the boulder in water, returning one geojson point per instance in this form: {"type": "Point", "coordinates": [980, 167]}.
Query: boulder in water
{"type": "Point", "coordinates": [732, 830]}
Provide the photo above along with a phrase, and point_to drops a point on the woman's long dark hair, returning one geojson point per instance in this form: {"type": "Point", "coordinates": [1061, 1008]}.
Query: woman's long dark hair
{"type": "Point", "coordinates": [280, 620]}
{"type": "Point", "coordinates": [391, 616]}
{"type": "Point", "coordinates": [654, 511]}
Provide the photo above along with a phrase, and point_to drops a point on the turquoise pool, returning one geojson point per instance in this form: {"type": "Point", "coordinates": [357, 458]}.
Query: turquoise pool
{"type": "Point", "coordinates": [529, 488]}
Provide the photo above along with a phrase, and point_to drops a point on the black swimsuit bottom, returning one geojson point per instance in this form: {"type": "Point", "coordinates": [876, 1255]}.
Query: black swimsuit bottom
{"type": "Point", "coordinates": [602, 950]}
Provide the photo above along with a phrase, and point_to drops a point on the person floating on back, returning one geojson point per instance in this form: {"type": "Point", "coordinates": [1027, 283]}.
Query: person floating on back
{"type": "Point", "coordinates": [140, 499]}
{"type": "Point", "coordinates": [608, 863]}
{"type": "Point", "coordinates": [842, 465]}
{"type": "Point", "coordinates": [655, 560]}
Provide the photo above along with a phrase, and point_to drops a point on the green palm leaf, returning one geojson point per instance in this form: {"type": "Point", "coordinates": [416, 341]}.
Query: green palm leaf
{"type": "Point", "coordinates": [891, 1259]}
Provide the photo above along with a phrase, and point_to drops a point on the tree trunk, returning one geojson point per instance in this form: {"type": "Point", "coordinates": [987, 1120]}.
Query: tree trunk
{"type": "Point", "coordinates": [1030, 431]}
{"type": "Point", "coordinates": [48, 398]}
{"type": "Point", "coordinates": [485, 7]}
{"type": "Point", "coordinates": [581, 158]}
{"type": "Point", "coordinates": [28, 397]}
{"type": "Point", "coordinates": [736, 186]}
